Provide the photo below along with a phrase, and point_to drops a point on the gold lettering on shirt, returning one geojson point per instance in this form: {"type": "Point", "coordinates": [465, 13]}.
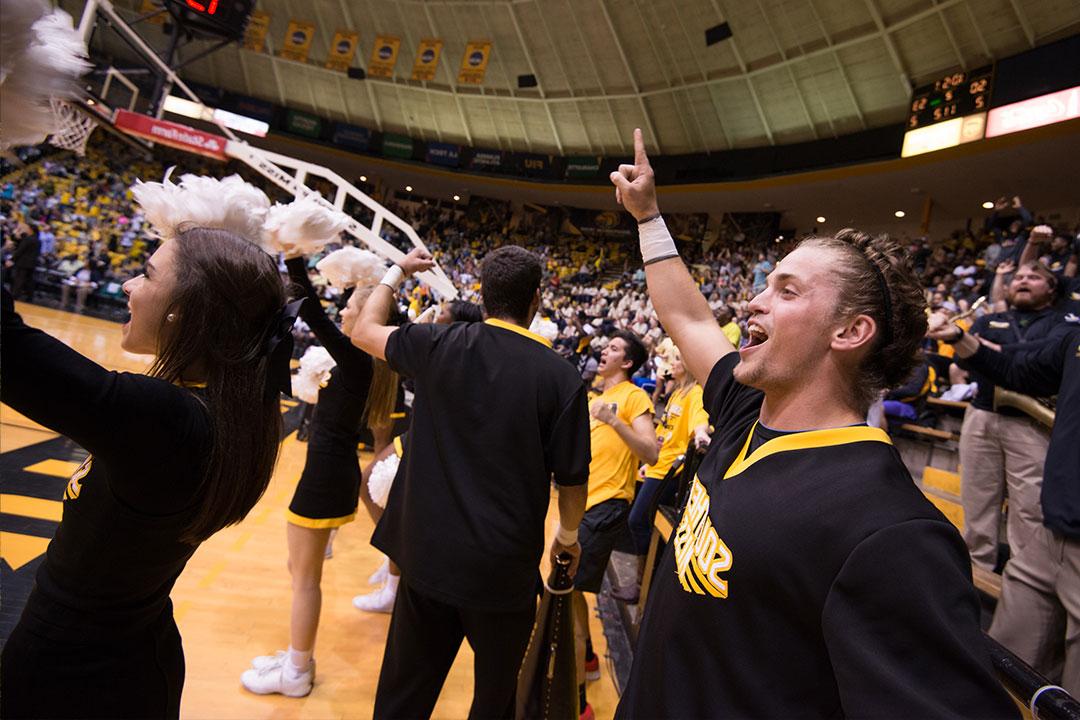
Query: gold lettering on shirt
{"type": "Point", "coordinates": [700, 554]}
{"type": "Point", "coordinates": [74, 486]}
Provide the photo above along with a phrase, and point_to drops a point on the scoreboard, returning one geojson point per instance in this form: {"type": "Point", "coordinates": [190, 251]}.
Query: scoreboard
{"type": "Point", "coordinates": [948, 112]}
{"type": "Point", "coordinates": [223, 18]}
{"type": "Point", "coordinates": [955, 95]}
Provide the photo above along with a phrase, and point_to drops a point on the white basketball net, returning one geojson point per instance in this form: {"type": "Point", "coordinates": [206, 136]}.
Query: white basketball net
{"type": "Point", "coordinates": [75, 127]}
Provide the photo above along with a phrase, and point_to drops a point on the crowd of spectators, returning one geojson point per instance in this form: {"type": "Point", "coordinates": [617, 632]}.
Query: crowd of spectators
{"type": "Point", "coordinates": [89, 238]}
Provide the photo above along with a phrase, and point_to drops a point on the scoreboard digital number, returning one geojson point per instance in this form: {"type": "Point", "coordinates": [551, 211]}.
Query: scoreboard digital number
{"type": "Point", "coordinates": [226, 18]}
{"type": "Point", "coordinates": [955, 95]}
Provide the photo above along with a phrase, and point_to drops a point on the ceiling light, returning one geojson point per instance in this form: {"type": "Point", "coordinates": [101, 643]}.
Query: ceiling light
{"type": "Point", "coordinates": [899, 213]}
{"type": "Point", "coordinates": [363, 178]}
{"type": "Point", "coordinates": [988, 205]}
{"type": "Point", "coordinates": [820, 218]}
{"type": "Point", "coordinates": [90, 102]}
{"type": "Point", "coordinates": [408, 188]}
{"type": "Point", "coordinates": [456, 198]}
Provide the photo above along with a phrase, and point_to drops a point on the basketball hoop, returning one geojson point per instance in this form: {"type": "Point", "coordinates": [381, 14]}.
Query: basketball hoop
{"type": "Point", "coordinates": [74, 127]}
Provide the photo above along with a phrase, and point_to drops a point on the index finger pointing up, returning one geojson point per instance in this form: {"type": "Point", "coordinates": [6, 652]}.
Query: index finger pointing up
{"type": "Point", "coordinates": [640, 158]}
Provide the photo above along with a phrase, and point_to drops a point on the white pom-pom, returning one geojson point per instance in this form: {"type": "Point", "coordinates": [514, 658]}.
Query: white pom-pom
{"type": "Point", "coordinates": [317, 361]}
{"type": "Point", "coordinates": [382, 479]}
{"type": "Point", "coordinates": [544, 328]}
{"type": "Point", "coordinates": [305, 388]}
{"type": "Point", "coordinates": [41, 56]}
{"type": "Point", "coordinates": [351, 266]}
{"type": "Point", "coordinates": [304, 226]}
{"type": "Point", "coordinates": [229, 204]}
{"type": "Point", "coordinates": [313, 373]}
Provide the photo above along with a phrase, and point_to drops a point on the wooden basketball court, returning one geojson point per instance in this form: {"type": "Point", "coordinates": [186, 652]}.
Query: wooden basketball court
{"type": "Point", "coordinates": [232, 601]}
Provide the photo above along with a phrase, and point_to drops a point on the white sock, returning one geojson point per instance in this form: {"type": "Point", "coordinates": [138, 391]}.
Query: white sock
{"type": "Point", "coordinates": [299, 662]}
{"type": "Point", "coordinates": [392, 582]}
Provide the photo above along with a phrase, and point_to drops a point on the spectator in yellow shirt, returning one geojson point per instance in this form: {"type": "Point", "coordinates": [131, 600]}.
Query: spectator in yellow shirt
{"type": "Point", "coordinates": [728, 326]}
{"type": "Point", "coordinates": [684, 421]}
{"type": "Point", "coordinates": [621, 437]}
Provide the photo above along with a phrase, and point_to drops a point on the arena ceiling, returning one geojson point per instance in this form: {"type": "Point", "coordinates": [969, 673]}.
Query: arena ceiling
{"type": "Point", "coordinates": [793, 70]}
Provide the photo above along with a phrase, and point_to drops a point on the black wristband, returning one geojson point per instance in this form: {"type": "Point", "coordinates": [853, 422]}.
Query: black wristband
{"type": "Point", "coordinates": [649, 219]}
{"type": "Point", "coordinates": [955, 338]}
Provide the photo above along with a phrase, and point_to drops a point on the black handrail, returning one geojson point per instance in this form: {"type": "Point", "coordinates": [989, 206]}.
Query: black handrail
{"type": "Point", "coordinates": [1020, 679]}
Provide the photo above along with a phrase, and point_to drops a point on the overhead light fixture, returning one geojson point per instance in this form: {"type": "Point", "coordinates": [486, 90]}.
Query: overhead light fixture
{"type": "Point", "coordinates": [899, 213]}
{"type": "Point", "coordinates": [988, 205]}
{"type": "Point", "coordinates": [363, 178]}
{"type": "Point", "coordinates": [90, 102]}
{"type": "Point", "coordinates": [820, 219]}
{"type": "Point", "coordinates": [408, 188]}
{"type": "Point", "coordinates": [456, 198]}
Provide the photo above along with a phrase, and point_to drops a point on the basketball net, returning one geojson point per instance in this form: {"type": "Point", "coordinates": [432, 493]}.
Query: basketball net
{"type": "Point", "coordinates": [74, 126]}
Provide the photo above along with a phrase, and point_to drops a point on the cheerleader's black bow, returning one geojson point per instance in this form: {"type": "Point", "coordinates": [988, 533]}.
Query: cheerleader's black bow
{"type": "Point", "coordinates": [278, 347]}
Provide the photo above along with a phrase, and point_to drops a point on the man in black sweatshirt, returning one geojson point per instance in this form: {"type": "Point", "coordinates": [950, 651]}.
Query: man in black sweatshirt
{"type": "Point", "coordinates": [1039, 609]}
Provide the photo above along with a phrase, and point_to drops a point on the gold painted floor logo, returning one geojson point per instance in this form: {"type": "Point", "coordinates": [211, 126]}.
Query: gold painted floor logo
{"type": "Point", "coordinates": [700, 555]}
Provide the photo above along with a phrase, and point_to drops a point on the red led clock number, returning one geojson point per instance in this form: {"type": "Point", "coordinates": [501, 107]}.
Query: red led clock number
{"type": "Point", "coordinates": [211, 9]}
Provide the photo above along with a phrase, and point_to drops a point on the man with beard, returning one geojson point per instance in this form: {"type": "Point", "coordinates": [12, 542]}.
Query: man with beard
{"type": "Point", "coordinates": [1005, 448]}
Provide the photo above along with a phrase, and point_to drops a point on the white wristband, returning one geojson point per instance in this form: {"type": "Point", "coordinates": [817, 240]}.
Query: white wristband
{"type": "Point", "coordinates": [393, 277]}
{"type": "Point", "coordinates": [565, 537]}
{"type": "Point", "coordinates": [656, 241]}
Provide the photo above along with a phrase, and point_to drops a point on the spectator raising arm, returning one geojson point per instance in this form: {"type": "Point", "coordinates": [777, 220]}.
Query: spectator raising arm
{"type": "Point", "coordinates": [680, 306]}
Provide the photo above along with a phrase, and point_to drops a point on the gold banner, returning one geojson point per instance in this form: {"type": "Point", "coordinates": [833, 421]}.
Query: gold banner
{"type": "Point", "coordinates": [384, 56]}
{"type": "Point", "coordinates": [255, 35]}
{"type": "Point", "coordinates": [474, 63]}
{"type": "Point", "coordinates": [149, 6]}
{"type": "Point", "coordinates": [298, 40]}
{"type": "Point", "coordinates": [342, 50]}
{"type": "Point", "coordinates": [427, 59]}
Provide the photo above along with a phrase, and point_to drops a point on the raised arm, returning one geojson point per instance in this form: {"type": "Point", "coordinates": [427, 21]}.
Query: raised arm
{"type": "Point", "coordinates": [106, 412]}
{"type": "Point", "coordinates": [371, 330]}
{"type": "Point", "coordinates": [312, 313]}
{"type": "Point", "coordinates": [679, 304]}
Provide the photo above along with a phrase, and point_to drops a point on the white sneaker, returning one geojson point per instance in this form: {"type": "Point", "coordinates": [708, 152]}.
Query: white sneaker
{"type": "Point", "coordinates": [264, 661]}
{"type": "Point", "coordinates": [380, 601]}
{"type": "Point", "coordinates": [379, 576]}
{"type": "Point", "coordinates": [277, 679]}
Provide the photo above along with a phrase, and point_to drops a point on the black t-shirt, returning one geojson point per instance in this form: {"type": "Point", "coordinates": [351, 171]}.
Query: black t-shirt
{"type": "Point", "coordinates": [809, 578]}
{"type": "Point", "coordinates": [339, 414]}
{"type": "Point", "coordinates": [497, 414]}
{"type": "Point", "coordinates": [1054, 369]}
{"type": "Point", "coordinates": [1069, 298]}
{"type": "Point", "coordinates": [110, 567]}
{"type": "Point", "coordinates": [1013, 330]}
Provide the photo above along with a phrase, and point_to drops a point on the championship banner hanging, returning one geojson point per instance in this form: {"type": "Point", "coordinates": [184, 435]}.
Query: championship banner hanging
{"type": "Point", "coordinates": [384, 56]}
{"type": "Point", "coordinates": [427, 59]}
{"type": "Point", "coordinates": [342, 50]}
{"type": "Point", "coordinates": [474, 62]}
{"type": "Point", "coordinates": [257, 27]}
{"type": "Point", "coordinates": [298, 40]}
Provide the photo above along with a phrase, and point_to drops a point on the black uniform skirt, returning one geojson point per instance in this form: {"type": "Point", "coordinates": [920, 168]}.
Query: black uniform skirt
{"type": "Point", "coordinates": [48, 671]}
{"type": "Point", "coordinates": [328, 491]}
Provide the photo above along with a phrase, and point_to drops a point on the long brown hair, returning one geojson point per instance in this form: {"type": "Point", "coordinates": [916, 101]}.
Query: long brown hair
{"type": "Point", "coordinates": [382, 391]}
{"type": "Point", "coordinates": [869, 265]}
{"type": "Point", "coordinates": [228, 292]}
{"type": "Point", "coordinates": [382, 395]}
